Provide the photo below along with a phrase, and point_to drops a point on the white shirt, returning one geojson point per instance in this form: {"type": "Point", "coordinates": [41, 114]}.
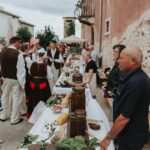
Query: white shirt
{"type": "Point", "coordinates": [83, 51]}
{"type": "Point", "coordinates": [94, 55]}
{"type": "Point", "coordinates": [33, 55]}
{"type": "Point", "coordinates": [60, 60]}
{"type": "Point", "coordinates": [21, 72]}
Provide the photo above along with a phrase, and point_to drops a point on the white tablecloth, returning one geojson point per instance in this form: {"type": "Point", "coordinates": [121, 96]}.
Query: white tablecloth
{"type": "Point", "coordinates": [93, 110]}
{"type": "Point", "coordinates": [64, 90]}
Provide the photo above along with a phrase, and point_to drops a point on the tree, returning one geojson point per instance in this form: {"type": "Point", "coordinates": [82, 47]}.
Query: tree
{"type": "Point", "coordinates": [2, 40]}
{"type": "Point", "coordinates": [24, 34]}
{"type": "Point", "coordinates": [45, 36]}
{"type": "Point", "coordinates": [70, 29]}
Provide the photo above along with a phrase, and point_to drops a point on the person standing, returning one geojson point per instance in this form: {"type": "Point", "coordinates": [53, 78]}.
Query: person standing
{"type": "Point", "coordinates": [13, 72]}
{"type": "Point", "coordinates": [131, 104]}
{"type": "Point", "coordinates": [94, 55]}
{"type": "Point", "coordinates": [54, 61]}
{"type": "Point", "coordinates": [39, 86]}
{"type": "Point", "coordinates": [114, 75]}
{"type": "Point", "coordinates": [90, 71]}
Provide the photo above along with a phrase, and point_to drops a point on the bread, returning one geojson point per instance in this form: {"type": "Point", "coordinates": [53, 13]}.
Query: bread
{"type": "Point", "coordinates": [94, 126]}
{"type": "Point", "coordinates": [63, 118]}
{"type": "Point", "coordinates": [50, 147]}
{"type": "Point", "coordinates": [80, 112]}
{"type": "Point", "coordinates": [34, 147]}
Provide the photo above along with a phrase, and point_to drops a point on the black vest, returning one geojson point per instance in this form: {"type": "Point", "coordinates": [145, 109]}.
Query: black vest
{"type": "Point", "coordinates": [8, 59]}
{"type": "Point", "coordinates": [56, 56]}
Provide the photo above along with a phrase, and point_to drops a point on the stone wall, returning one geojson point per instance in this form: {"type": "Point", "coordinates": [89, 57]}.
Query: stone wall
{"type": "Point", "coordinates": [138, 33]}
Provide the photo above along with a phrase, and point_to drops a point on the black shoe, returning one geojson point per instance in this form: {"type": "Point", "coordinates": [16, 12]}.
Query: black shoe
{"type": "Point", "coordinates": [20, 120]}
{"type": "Point", "coordinates": [3, 120]}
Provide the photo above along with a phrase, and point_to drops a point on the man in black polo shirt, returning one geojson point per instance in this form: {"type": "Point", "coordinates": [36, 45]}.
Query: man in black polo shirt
{"type": "Point", "coordinates": [130, 108]}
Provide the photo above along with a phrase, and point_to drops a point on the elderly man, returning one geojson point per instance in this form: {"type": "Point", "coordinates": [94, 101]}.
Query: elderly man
{"type": "Point", "coordinates": [90, 70]}
{"type": "Point", "coordinates": [130, 108]}
{"type": "Point", "coordinates": [94, 55]}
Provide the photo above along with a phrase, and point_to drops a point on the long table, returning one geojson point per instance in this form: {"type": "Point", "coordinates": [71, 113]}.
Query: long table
{"type": "Point", "coordinates": [97, 114]}
{"type": "Point", "coordinates": [93, 111]}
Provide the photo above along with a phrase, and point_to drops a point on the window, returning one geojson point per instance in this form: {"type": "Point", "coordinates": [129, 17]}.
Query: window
{"type": "Point", "coordinates": [107, 26]}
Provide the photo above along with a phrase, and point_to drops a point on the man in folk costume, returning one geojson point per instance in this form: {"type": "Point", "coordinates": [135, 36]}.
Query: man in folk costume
{"type": "Point", "coordinates": [55, 60]}
{"type": "Point", "coordinates": [13, 72]}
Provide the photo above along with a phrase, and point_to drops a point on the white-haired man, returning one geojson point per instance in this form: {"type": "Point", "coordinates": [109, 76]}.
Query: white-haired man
{"type": "Point", "coordinates": [94, 55]}
{"type": "Point", "coordinates": [130, 107]}
{"type": "Point", "coordinates": [90, 70]}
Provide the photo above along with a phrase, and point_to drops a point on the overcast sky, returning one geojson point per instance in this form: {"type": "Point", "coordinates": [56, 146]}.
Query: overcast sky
{"type": "Point", "coordinates": [43, 12]}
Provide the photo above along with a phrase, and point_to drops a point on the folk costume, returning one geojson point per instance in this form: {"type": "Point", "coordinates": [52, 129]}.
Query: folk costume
{"type": "Point", "coordinates": [13, 71]}
{"type": "Point", "coordinates": [54, 54]}
{"type": "Point", "coordinates": [39, 85]}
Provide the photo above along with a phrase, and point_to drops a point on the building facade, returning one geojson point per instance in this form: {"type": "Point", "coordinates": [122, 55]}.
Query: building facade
{"type": "Point", "coordinates": [69, 22]}
{"type": "Point", "coordinates": [9, 24]}
{"type": "Point", "coordinates": [116, 22]}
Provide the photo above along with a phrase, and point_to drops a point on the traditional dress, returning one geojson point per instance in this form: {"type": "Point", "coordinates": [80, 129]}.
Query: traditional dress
{"type": "Point", "coordinates": [39, 86]}
{"type": "Point", "coordinates": [55, 55]}
{"type": "Point", "coordinates": [13, 71]}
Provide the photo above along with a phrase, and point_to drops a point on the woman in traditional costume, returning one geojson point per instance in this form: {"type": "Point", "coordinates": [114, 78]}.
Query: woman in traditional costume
{"type": "Point", "coordinates": [39, 85]}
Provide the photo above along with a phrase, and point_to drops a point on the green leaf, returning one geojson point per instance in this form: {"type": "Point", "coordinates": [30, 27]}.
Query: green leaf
{"type": "Point", "coordinates": [51, 101]}
{"type": "Point", "coordinates": [93, 142]}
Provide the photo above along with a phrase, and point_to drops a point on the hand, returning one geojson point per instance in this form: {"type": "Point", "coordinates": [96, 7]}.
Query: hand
{"type": "Point", "coordinates": [52, 60]}
{"type": "Point", "coordinates": [104, 144]}
{"type": "Point", "coordinates": [102, 75]}
{"type": "Point", "coordinates": [21, 88]}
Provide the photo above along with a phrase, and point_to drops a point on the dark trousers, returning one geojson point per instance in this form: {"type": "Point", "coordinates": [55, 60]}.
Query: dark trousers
{"type": "Point", "coordinates": [124, 146]}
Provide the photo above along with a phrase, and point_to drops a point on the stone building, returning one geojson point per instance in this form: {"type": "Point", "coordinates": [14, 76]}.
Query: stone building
{"type": "Point", "coordinates": [9, 24]}
{"type": "Point", "coordinates": [28, 25]}
{"type": "Point", "coordinates": [67, 22]}
{"type": "Point", "coordinates": [113, 22]}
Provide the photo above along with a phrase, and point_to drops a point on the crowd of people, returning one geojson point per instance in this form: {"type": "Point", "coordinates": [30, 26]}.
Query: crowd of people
{"type": "Point", "coordinates": [29, 73]}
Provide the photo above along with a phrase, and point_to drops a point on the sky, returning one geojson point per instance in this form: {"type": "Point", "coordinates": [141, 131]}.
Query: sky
{"type": "Point", "coordinates": [43, 12]}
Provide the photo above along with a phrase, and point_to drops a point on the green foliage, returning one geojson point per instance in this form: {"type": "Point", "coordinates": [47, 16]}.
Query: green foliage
{"type": "Point", "coordinates": [45, 36]}
{"type": "Point", "coordinates": [2, 40]}
{"type": "Point", "coordinates": [51, 101]}
{"type": "Point", "coordinates": [76, 143]}
{"type": "Point", "coordinates": [24, 34]}
{"type": "Point", "coordinates": [28, 139]}
{"type": "Point", "coordinates": [70, 30]}
{"type": "Point", "coordinates": [94, 142]}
